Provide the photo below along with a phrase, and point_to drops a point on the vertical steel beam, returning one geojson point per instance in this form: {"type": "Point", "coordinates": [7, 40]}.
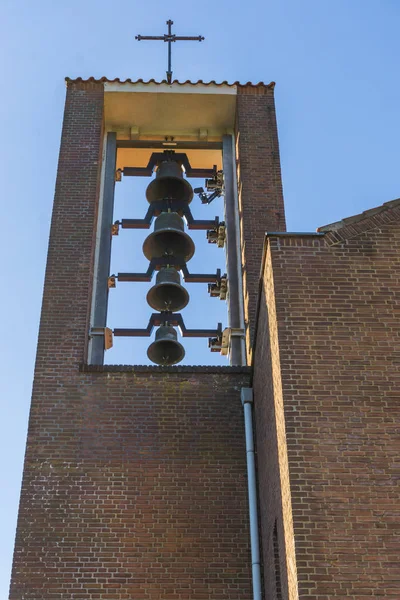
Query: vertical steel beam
{"type": "Point", "coordinates": [103, 250]}
{"type": "Point", "coordinates": [235, 318]}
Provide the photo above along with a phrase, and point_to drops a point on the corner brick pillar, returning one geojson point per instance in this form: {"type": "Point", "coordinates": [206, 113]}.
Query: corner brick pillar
{"type": "Point", "coordinates": [261, 206]}
{"type": "Point", "coordinates": [63, 332]}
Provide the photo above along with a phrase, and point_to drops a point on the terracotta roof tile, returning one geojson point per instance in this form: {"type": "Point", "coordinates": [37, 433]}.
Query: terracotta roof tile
{"type": "Point", "coordinates": [187, 82]}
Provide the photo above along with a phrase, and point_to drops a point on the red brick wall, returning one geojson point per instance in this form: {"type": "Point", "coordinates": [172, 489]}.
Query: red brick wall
{"type": "Point", "coordinates": [64, 324]}
{"type": "Point", "coordinates": [279, 564]}
{"type": "Point", "coordinates": [333, 334]}
{"type": "Point", "coordinates": [134, 481]}
{"type": "Point", "coordinates": [259, 185]}
{"type": "Point", "coordinates": [135, 487]}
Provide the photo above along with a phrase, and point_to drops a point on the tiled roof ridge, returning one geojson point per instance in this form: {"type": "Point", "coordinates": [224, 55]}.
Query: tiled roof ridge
{"type": "Point", "coordinates": [270, 85]}
{"type": "Point", "coordinates": [350, 227]}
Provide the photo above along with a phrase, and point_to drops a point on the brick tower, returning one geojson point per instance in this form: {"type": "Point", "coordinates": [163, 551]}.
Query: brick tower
{"type": "Point", "coordinates": [136, 483]}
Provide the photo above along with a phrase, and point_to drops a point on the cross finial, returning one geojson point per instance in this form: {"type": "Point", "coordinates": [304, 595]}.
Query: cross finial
{"type": "Point", "coordinates": [169, 37]}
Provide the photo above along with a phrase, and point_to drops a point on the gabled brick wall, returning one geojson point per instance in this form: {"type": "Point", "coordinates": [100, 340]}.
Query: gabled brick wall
{"type": "Point", "coordinates": [327, 373]}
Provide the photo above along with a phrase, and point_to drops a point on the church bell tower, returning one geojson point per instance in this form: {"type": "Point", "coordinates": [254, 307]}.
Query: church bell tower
{"type": "Point", "coordinates": [170, 134]}
{"type": "Point", "coordinates": [159, 476]}
{"type": "Point", "coordinates": [135, 480]}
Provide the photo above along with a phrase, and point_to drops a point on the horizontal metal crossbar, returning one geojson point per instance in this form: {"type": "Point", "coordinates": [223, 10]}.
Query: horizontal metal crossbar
{"type": "Point", "coordinates": [158, 157]}
{"type": "Point", "coordinates": [155, 208]}
{"type": "Point", "coordinates": [168, 318]}
{"type": "Point", "coordinates": [157, 263]}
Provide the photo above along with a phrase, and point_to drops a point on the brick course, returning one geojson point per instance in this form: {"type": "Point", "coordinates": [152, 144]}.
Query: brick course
{"type": "Point", "coordinates": [331, 317]}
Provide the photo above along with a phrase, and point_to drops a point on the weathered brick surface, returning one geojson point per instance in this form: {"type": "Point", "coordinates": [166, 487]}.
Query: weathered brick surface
{"type": "Point", "coordinates": [63, 331]}
{"type": "Point", "coordinates": [259, 185]}
{"type": "Point", "coordinates": [332, 321]}
{"type": "Point", "coordinates": [134, 480]}
{"type": "Point", "coordinates": [279, 564]}
{"type": "Point", "coordinates": [134, 487]}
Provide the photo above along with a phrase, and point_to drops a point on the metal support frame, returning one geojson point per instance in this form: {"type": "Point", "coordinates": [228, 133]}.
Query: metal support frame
{"type": "Point", "coordinates": [103, 250]}
{"type": "Point", "coordinates": [158, 207]}
{"type": "Point", "coordinates": [180, 207]}
{"type": "Point", "coordinates": [158, 157]}
{"type": "Point", "coordinates": [232, 258]}
{"type": "Point", "coordinates": [168, 318]}
{"type": "Point", "coordinates": [157, 263]}
{"type": "Point", "coordinates": [108, 229]}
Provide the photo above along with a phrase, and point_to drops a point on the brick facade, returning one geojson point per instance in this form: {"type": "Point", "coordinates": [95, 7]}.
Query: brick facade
{"type": "Point", "coordinates": [261, 205]}
{"type": "Point", "coordinates": [327, 354]}
{"type": "Point", "coordinates": [134, 480]}
{"type": "Point", "coordinates": [135, 487]}
{"type": "Point", "coordinates": [273, 476]}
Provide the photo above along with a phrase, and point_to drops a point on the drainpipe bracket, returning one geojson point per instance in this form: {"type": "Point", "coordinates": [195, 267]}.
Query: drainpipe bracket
{"type": "Point", "coordinates": [237, 332]}
{"type": "Point", "coordinates": [246, 395]}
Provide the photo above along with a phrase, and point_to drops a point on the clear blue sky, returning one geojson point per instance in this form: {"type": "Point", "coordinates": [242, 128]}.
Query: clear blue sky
{"type": "Point", "coordinates": [337, 96]}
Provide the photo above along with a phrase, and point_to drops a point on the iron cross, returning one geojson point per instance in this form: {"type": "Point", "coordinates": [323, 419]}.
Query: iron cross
{"type": "Point", "coordinates": [169, 37]}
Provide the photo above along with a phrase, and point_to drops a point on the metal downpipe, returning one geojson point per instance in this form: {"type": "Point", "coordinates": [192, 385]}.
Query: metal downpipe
{"type": "Point", "coordinates": [247, 401]}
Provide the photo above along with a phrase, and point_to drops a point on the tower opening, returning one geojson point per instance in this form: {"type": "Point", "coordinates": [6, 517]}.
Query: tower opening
{"type": "Point", "coordinates": [172, 285]}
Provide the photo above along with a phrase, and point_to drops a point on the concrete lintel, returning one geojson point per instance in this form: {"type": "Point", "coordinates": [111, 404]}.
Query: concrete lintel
{"type": "Point", "coordinates": [173, 88]}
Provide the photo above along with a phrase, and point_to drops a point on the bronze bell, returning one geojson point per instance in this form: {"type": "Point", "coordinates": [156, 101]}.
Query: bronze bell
{"type": "Point", "coordinates": [169, 183]}
{"type": "Point", "coordinates": [168, 294]}
{"type": "Point", "coordinates": [166, 350]}
{"type": "Point", "coordinates": [168, 238]}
